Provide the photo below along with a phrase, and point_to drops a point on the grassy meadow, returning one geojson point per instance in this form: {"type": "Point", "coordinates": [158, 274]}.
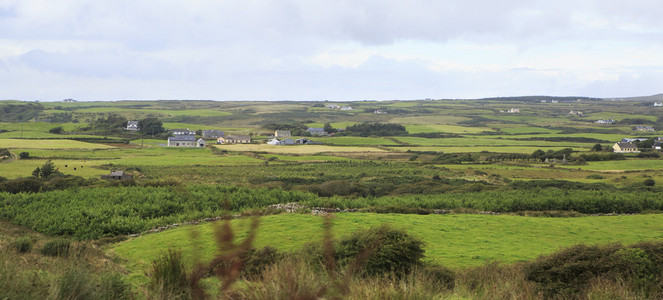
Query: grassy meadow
{"type": "Point", "coordinates": [455, 241]}
{"type": "Point", "coordinates": [517, 185]}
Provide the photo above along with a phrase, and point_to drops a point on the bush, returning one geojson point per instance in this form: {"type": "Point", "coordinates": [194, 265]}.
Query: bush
{"type": "Point", "coordinates": [440, 276]}
{"type": "Point", "coordinates": [570, 271]}
{"type": "Point", "coordinates": [24, 155]}
{"type": "Point", "coordinates": [75, 284]}
{"type": "Point", "coordinates": [594, 176]}
{"type": "Point", "coordinates": [23, 244]}
{"type": "Point", "coordinates": [58, 247]}
{"type": "Point", "coordinates": [384, 249]}
{"type": "Point", "coordinates": [649, 182]}
{"type": "Point", "coordinates": [168, 275]}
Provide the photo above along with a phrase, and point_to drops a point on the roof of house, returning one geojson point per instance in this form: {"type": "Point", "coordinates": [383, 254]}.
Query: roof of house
{"type": "Point", "coordinates": [182, 138]}
{"type": "Point", "coordinates": [238, 137]}
{"type": "Point", "coordinates": [626, 145]}
{"type": "Point", "coordinates": [117, 173]}
{"type": "Point", "coordinates": [315, 129]}
{"type": "Point", "coordinates": [132, 123]}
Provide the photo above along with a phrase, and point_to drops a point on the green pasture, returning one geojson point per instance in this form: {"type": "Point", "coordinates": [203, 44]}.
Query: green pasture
{"type": "Point", "coordinates": [307, 158]}
{"type": "Point", "coordinates": [415, 128]}
{"type": "Point", "coordinates": [526, 129]}
{"type": "Point", "coordinates": [444, 119]}
{"type": "Point", "coordinates": [39, 126]}
{"type": "Point", "coordinates": [24, 167]}
{"type": "Point", "coordinates": [355, 141]}
{"type": "Point", "coordinates": [486, 141]}
{"type": "Point", "coordinates": [333, 124]}
{"type": "Point", "coordinates": [453, 240]}
{"type": "Point", "coordinates": [599, 136]}
{"type": "Point", "coordinates": [624, 165]}
{"type": "Point", "coordinates": [49, 144]}
{"type": "Point", "coordinates": [619, 116]}
{"type": "Point", "coordinates": [129, 112]}
{"type": "Point", "coordinates": [295, 149]}
{"type": "Point", "coordinates": [474, 149]}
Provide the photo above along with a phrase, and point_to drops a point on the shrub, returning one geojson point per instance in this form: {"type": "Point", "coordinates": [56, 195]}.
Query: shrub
{"type": "Point", "coordinates": [258, 260]}
{"type": "Point", "coordinates": [24, 155]}
{"type": "Point", "coordinates": [649, 182]}
{"type": "Point", "coordinates": [440, 276]}
{"type": "Point", "coordinates": [113, 287]}
{"type": "Point", "coordinates": [57, 247]}
{"type": "Point", "coordinates": [74, 284]}
{"type": "Point", "coordinates": [168, 275]}
{"type": "Point", "coordinates": [23, 244]}
{"type": "Point", "coordinates": [594, 176]}
{"type": "Point", "coordinates": [384, 250]}
{"type": "Point", "coordinates": [570, 271]}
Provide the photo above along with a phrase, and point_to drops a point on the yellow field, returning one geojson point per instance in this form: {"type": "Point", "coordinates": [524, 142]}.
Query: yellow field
{"type": "Point", "coordinates": [49, 144]}
{"type": "Point", "coordinates": [295, 149]}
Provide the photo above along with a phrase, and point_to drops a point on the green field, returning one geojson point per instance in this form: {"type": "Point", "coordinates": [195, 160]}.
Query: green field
{"type": "Point", "coordinates": [49, 144]}
{"type": "Point", "coordinates": [455, 241]}
{"type": "Point", "coordinates": [295, 149]}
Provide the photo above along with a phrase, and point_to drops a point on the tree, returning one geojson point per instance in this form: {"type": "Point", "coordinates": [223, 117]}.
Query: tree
{"type": "Point", "coordinates": [151, 126]}
{"type": "Point", "coordinates": [24, 155]}
{"type": "Point", "coordinates": [56, 130]}
{"type": "Point", "coordinates": [328, 128]}
{"type": "Point", "coordinates": [597, 147]}
{"type": "Point", "coordinates": [45, 171]}
{"type": "Point", "coordinates": [113, 122]}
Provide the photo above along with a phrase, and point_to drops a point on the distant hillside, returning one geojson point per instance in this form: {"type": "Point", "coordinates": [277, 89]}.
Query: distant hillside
{"type": "Point", "coordinates": [657, 97]}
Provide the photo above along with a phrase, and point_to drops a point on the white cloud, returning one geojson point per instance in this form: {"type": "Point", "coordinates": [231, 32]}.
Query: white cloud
{"type": "Point", "coordinates": [298, 49]}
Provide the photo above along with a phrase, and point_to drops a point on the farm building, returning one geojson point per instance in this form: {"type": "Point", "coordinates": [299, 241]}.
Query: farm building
{"type": "Point", "coordinates": [305, 141]}
{"type": "Point", "coordinates": [347, 107]}
{"type": "Point", "coordinates": [132, 126]}
{"type": "Point", "coordinates": [282, 133]}
{"type": "Point", "coordinates": [625, 148]}
{"type": "Point", "coordinates": [183, 132]}
{"type": "Point", "coordinates": [644, 128]}
{"type": "Point", "coordinates": [332, 106]}
{"type": "Point", "coordinates": [609, 121]}
{"type": "Point", "coordinates": [212, 134]}
{"type": "Point", "coordinates": [117, 175]}
{"type": "Point", "coordinates": [234, 139]}
{"type": "Point", "coordinates": [182, 141]}
{"type": "Point", "coordinates": [316, 131]}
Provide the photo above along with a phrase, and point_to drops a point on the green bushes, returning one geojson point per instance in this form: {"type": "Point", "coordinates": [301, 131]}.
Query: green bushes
{"type": "Point", "coordinates": [23, 244]}
{"type": "Point", "coordinates": [168, 276]}
{"type": "Point", "coordinates": [571, 271]}
{"type": "Point", "coordinates": [57, 247]}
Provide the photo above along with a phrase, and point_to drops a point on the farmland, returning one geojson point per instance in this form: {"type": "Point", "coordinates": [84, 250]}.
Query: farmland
{"type": "Point", "coordinates": [474, 182]}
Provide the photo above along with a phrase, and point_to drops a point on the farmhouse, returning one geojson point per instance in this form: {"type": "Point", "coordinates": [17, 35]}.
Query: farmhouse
{"type": "Point", "coordinates": [182, 141]}
{"type": "Point", "coordinates": [609, 121]}
{"type": "Point", "coordinates": [347, 107]}
{"type": "Point", "coordinates": [305, 141]}
{"type": "Point", "coordinates": [316, 131]}
{"type": "Point", "coordinates": [575, 113]}
{"type": "Point", "coordinates": [282, 133]}
{"type": "Point", "coordinates": [212, 134]}
{"type": "Point", "coordinates": [625, 148]}
{"type": "Point", "coordinates": [658, 104]}
{"type": "Point", "coordinates": [182, 132]}
{"type": "Point", "coordinates": [332, 106]}
{"type": "Point", "coordinates": [657, 145]}
{"type": "Point", "coordinates": [234, 139]}
{"type": "Point", "coordinates": [644, 128]}
{"type": "Point", "coordinates": [132, 126]}
{"type": "Point", "coordinates": [274, 141]}
{"type": "Point", "coordinates": [117, 175]}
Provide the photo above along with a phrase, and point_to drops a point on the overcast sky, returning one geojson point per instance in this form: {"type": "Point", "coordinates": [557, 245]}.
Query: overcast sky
{"type": "Point", "coordinates": [335, 49]}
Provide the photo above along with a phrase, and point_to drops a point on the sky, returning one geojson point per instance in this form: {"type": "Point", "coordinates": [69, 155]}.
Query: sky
{"type": "Point", "coordinates": [328, 50]}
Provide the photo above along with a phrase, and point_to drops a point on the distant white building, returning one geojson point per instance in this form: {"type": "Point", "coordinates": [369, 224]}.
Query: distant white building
{"type": "Point", "coordinates": [332, 106]}
{"type": "Point", "coordinates": [658, 104]}
{"type": "Point", "coordinates": [347, 107]}
{"type": "Point", "coordinates": [575, 113]}
{"type": "Point", "coordinates": [182, 141]}
{"type": "Point", "coordinates": [609, 121]}
{"type": "Point", "coordinates": [132, 126]}
{"type": "Point", "coordinates": [183, 132]}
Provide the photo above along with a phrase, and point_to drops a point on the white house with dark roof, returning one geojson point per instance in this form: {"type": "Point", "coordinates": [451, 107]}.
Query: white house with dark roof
{"type": "Point", "coordinates": [183, 132]}
{"type": "Point", "coordinates": [182, 141]}
{"type": "Point", "coordinates": [212, 134]}
{"type": "Point", "coordinates": [132, 126]}
{"type": "Point", "coordinates": [316, 131]}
